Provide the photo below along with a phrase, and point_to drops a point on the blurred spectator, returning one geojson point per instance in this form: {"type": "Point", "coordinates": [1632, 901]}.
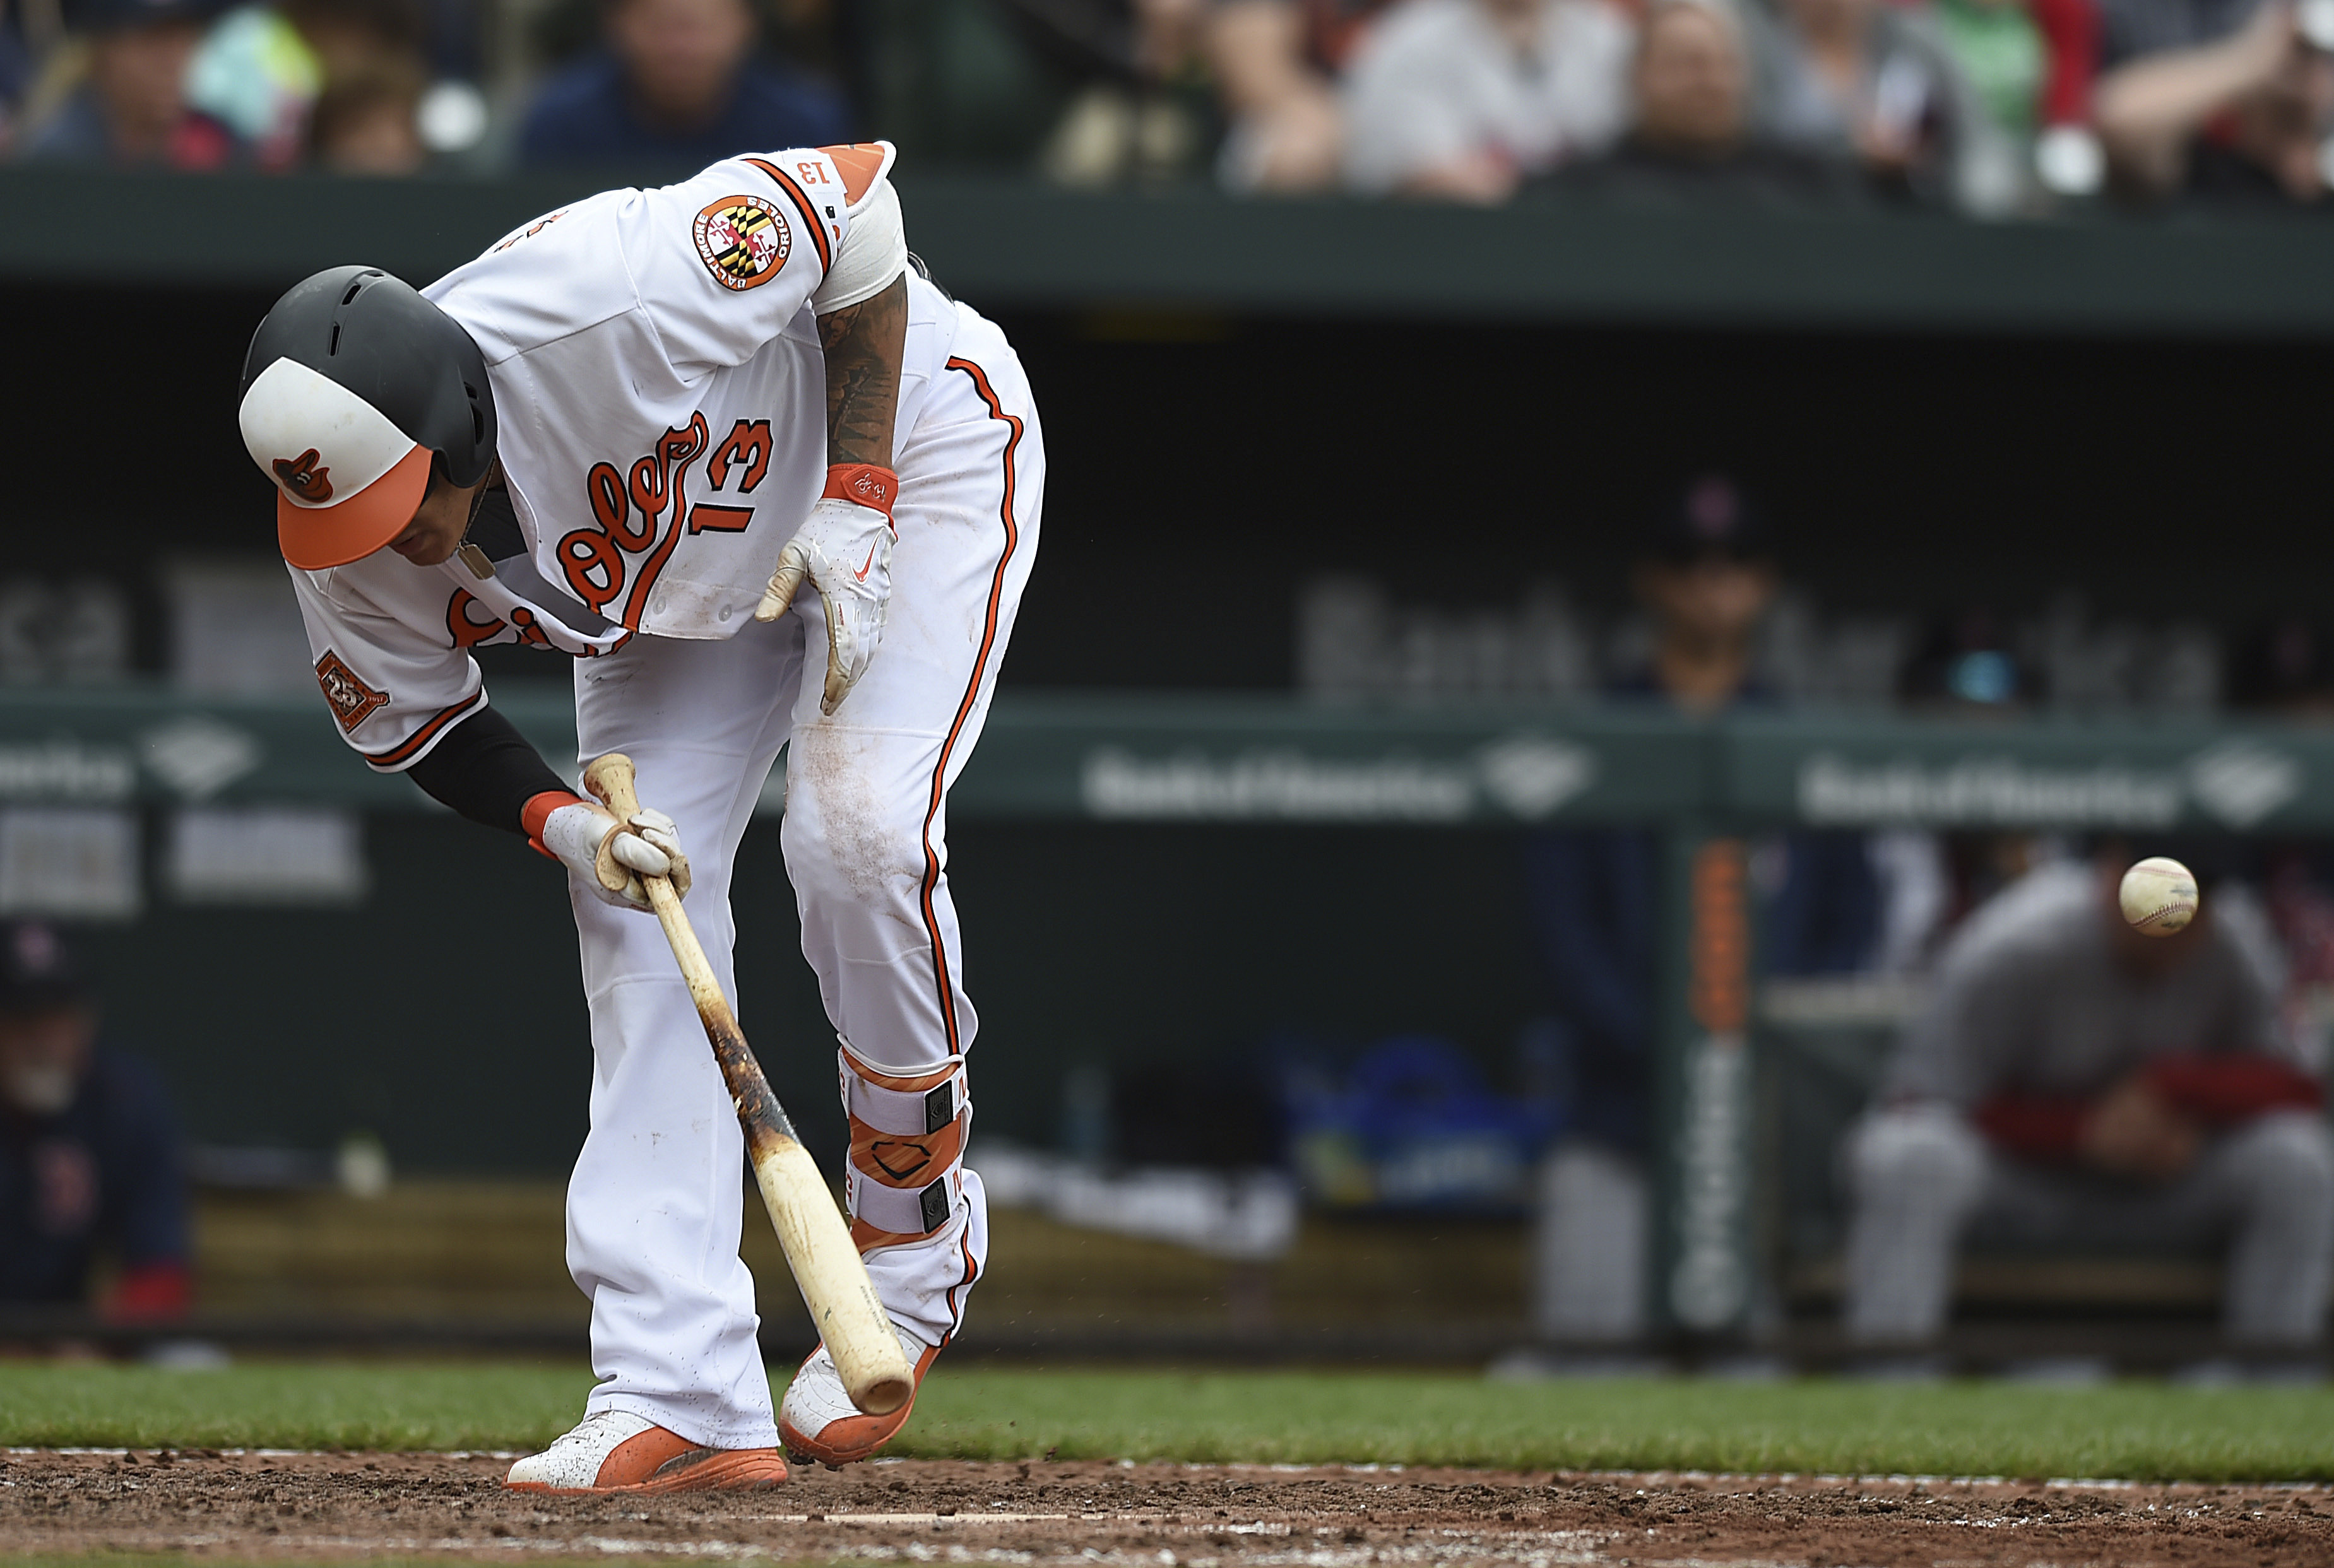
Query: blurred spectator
{"type": "Point", "coordinates": [1874, 80]}
{"type": "Point", "coordinates": [1690, 128]}
{"type": "Point", "coordinates": [365, 123]}
{"type": "Point", "coordinates": [1147, 112]}
{"type": "Point", "coordinates": [1285, 132]}
{"type": "Point", "coordinates": [89, 1157]}
{"type": "Point", "coordinates": [260, 70]}
{"type": "Point", "coordinates": [681, 85]}
{"type": "Point", "coordinates": [1999, 48]}
{"type": "Point", "coordinates": [1706, 579]}
{"type": "Point", "coordinates": [256, 75]}
{"type": "Point", "coordinates": [2195, 105]}
{"type": "Point", "coordinates": [131, 106]}
{"type": "Point", "coordinates": [2030, 64]}
{"type": "Point", "coordinates": [2073, 1081]}
{"type": "Point", "coordinates": [1691, 81]}
{"type": "Point", "coordinates": [1460, 100]}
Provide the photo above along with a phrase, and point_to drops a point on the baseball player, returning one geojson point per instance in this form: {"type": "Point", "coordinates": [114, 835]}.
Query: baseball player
{"type": "Point", "coordinates": [725, 445]}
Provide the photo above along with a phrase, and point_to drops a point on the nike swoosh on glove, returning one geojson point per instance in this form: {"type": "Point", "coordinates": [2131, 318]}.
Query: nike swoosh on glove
{"type": "Point", "coordinates": [844, 550]}
{"type": "Point", "coordinates": [611, 859]}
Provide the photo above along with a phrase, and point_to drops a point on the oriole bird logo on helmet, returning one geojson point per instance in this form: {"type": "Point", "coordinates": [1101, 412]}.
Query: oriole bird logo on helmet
{"type": "Point", "coordinates": [301, 476]}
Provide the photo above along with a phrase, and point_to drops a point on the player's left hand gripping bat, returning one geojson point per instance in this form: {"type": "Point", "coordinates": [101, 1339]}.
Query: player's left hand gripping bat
{"type": "Point", "coordinates": [834, 1281]}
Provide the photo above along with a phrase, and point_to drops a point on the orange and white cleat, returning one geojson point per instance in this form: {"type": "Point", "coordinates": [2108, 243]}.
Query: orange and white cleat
{"type": "Point", "coordinates": [818, 1420]}
{"type": "Point", "coordinates": [617, 1451]}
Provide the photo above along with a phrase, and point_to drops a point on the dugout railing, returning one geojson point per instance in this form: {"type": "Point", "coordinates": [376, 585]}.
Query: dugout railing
{"type": "Point", "coordinates": [1058, 758]}
{"type": "Point", "coordinates": [1018, 244]}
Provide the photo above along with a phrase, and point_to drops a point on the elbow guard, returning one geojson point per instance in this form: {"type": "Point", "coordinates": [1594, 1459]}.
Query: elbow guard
{"type": "Point", "coordinates": [874, 251]}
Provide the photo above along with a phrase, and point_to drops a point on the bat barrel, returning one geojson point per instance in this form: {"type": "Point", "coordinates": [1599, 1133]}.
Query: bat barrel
{"type": "Point", "coordinates": [851, 1321]}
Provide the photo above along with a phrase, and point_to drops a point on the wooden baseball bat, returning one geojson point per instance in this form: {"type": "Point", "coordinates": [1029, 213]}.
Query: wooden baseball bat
{"type": "Point", "coordinates": [817, 1244]}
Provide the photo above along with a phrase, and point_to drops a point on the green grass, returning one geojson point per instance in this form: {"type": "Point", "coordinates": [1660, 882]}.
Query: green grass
{"type": "Point", "coordinates": [294, 1405]}
{"type": "Point", "coordinates": [2135, 1429]}
{"type": "Point", "coordinates": [210, 1559]}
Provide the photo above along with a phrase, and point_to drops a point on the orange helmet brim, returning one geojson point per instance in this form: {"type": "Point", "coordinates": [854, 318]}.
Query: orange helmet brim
{"type": "Point", "coordinates": [315, 537]}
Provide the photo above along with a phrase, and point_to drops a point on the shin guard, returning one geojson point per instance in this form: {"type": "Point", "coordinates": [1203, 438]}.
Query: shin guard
{"type": "Point", "coordinates": [908, 1126]}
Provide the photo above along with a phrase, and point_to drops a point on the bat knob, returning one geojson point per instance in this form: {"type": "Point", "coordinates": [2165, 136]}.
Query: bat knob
{"type": "Point", "coordinates": [609, 778]}
{"type": "Point", "coordinates": [882, 1395]}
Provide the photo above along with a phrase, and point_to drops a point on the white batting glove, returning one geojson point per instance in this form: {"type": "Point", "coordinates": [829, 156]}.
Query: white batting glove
{"type": "Point", "coordinates": [844, 549]}
{"type": "Point", "coordinates": [610, 857]}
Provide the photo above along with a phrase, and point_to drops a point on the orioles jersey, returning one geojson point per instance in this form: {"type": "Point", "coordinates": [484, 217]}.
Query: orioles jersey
{"type": "Point", "coordinates": [661, 397]}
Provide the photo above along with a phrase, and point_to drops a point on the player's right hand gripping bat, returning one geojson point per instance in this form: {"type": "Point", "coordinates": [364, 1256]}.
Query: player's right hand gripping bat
{"type": "Point", "coordinates": [834, 1281]}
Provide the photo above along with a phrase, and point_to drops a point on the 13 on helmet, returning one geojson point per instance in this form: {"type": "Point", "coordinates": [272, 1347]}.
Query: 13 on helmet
{"type": "Point", "coordinates": [355, 386]}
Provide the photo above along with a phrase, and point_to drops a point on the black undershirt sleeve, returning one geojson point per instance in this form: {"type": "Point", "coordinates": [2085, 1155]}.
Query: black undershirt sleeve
{"type": "Point", "coordinates": [486, 770]}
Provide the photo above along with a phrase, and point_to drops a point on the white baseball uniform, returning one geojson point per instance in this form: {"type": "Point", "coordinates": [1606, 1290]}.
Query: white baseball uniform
{"type": "Point", "coordinates": [660, 390]}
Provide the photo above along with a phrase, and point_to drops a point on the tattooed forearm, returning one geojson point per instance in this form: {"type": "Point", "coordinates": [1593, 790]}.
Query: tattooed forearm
{"type": "Point", "coordinates": [864, 345]}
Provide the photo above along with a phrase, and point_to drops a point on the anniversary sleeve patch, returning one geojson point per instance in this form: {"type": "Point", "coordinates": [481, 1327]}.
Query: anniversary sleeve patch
{"type": "Point", "coordinates": [353, 700]}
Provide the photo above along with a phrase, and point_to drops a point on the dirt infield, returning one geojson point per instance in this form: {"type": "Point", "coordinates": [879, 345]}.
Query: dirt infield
{"type": "Point", "coordinates": [310, 1506]}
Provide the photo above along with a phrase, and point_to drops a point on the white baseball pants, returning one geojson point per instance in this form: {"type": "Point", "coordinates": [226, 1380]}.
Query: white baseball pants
{"type": "Point", "coordinates": [657, 1199]}
{"type": "Point", "coordinates": [1923, 1178]}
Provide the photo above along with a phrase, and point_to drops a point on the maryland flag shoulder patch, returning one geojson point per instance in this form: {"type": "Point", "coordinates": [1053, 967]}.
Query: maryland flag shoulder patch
{"type": "Point", "coordinates": [743, 241]}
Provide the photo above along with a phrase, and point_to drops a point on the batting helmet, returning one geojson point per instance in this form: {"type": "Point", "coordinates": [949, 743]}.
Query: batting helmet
{"type": "Point", "coordinates": [353, 387]}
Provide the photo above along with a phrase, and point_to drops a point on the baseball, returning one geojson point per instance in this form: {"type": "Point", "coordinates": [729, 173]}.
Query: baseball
{"type": "Point", "coordinates": [2158, 896]}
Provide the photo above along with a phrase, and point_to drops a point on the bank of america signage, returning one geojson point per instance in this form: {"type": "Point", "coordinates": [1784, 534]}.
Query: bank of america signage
{"type": "Point", "coordinates": [193, 758]}
{"type": "Point", "coordinates": [1524, 777]}
{"type": "Point", "coordinates": [2238, 784]}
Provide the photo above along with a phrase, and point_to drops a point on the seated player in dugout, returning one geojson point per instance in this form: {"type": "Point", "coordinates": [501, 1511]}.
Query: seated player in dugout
{"type": "Point", "coordinates": [715, 442]}
{"type": "Point", "coordinates": [90, 1170]}
{"type": "Point", "coordinates": [2073, 1083]}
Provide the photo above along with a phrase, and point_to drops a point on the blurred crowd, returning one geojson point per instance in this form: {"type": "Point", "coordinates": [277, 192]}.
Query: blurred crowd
{"type": "Point", "coordinates": [1989, 107]}
{"type": "Point", "coordinates": [194, 85]}
{"type": "Point", "coordinates": [392, 88]}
